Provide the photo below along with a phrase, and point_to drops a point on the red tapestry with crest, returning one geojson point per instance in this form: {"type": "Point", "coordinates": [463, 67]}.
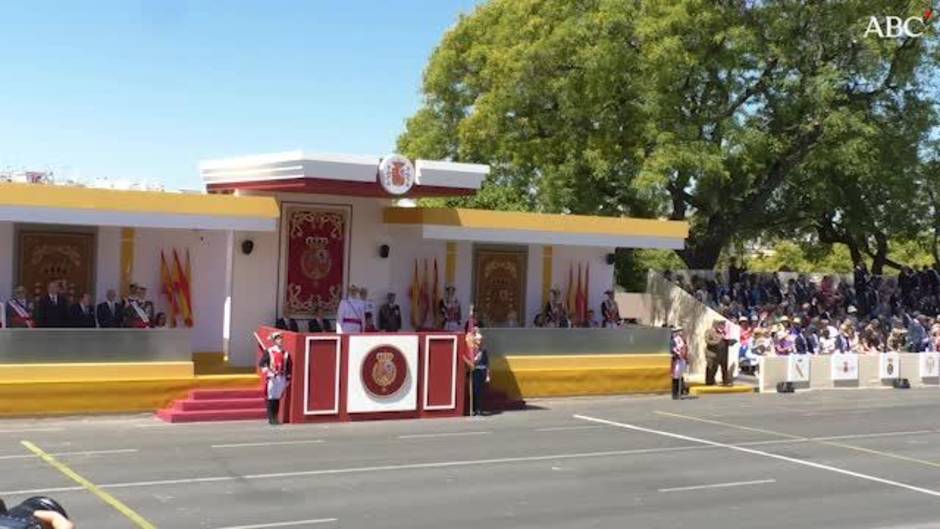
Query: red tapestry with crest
{"type": "Point", "coordinates": [316, 250]}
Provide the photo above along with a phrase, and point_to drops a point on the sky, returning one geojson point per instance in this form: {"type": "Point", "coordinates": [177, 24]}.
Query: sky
{"type": "Point", "coordinates": [145, 89]}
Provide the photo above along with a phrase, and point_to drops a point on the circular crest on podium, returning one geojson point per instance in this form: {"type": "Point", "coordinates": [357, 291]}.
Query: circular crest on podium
{"type": "Point", "coordinates": [384, 371]}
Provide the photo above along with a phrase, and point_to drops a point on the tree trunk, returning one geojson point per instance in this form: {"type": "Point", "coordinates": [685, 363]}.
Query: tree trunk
{"type": "Point", "coordinates": [880, 256]}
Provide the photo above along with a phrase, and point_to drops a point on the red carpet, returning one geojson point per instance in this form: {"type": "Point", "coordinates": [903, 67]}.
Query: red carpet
{"type": "Point", "coordinates": [203, 405]}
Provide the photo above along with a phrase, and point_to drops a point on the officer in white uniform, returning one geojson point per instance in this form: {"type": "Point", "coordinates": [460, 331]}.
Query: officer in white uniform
{"type": "Point", "coordinates": [350, 315]}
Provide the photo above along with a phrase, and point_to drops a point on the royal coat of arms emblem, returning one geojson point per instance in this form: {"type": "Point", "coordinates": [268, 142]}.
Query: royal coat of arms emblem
{"type": "Point", "coordinates": [384, 371]}
{"type": "Point", "coordinates": [396, 174]}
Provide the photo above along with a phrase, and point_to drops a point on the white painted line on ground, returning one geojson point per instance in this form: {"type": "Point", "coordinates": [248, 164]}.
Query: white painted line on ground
{"type": "Point", "coordinates": [271, 443]}
{"type": "Point", "coordinates": [567, 428]}
{"type": "Point", "coordinates": [868, 435]}
{"type": "Point", "coordinates": [771, 455]}
{"type": "Point", "coordinates": [65, 454]}
{"type": "Point", "coordinates": [720, 485]}
{"type": "Point", "coordinates": [355, 470]}
{"type": "Point", "coordinates": [31, 430]}
{"type": "Point", "coordinates": [283, 524]}
{"type": "Point", "coordinates": [448, 434]}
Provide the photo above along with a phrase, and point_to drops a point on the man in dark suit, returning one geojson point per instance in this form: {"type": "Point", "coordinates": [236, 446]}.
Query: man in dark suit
{"type": "Point", "coordinates": [111, 311]}
{"type": "Point", "coordinates": [52, 310]}
{"type": "Point", "coordinates": [82, 314]}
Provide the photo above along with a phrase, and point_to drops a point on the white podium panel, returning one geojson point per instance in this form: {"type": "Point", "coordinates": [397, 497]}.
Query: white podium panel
{"type": "Point", "coordinates": [382, 374]}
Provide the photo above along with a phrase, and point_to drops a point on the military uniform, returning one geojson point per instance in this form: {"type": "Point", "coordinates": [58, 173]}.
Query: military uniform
{"type": "Point", "coordinates": [275, 365]}
{"type": "Point", "coordinates": [450, 312]}
{"type": "Point", "coordinates": [610, 312]}
{"type": "Point", "coordinates": [680, 361]}
{"type": "Point", "coordinates": [349, 316]}
{"type": "Point", "coordinates": [19, 314]}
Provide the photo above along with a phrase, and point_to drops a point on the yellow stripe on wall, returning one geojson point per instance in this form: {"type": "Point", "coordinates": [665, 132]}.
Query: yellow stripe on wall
{"type": "Point", "coordinates": [49, 196]}
{"type": "Point", "coordinates": [514, 220]}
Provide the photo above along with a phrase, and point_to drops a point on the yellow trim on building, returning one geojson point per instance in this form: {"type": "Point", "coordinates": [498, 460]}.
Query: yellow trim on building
{"type": "Point", "coordinates": [502, 220]}
{"type": "Point", "coordinates": [65, 197]}
{"type": "Point", "coordinates": [547, 257]}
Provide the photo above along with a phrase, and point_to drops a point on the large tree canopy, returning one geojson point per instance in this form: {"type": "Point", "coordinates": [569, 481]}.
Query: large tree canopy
{"type": "Point", "coordinates": [740, 116]}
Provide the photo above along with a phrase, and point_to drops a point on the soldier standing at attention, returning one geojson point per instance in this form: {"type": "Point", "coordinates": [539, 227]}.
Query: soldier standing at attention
{"type": "Point", "coordinates": [390, 315]}
{"type": "Point", "coordinates": [275, 368]}
{"type": "Point", "coordinates": [680, 360]}
{"type": "Point", "coordinates": [349, 316]}
{"type": "Point", "coordinates": [716, 354]}
{"type": "Point", "coordinates": [450, 310]}
{"type": "Point", "coordinates": [610, 312]}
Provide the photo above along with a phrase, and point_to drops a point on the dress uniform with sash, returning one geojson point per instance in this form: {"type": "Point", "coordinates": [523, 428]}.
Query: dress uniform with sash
{"type": "Point", "coordinates": [450, 311]}
{"type": "Point", "coordinates": [19, 313]}
{"type": "Point", "coordinates": [275, 365]}
{"type": "Point", "coordinates": [135, 315]}
{"type": "Point", "coordinates": [350, 317]}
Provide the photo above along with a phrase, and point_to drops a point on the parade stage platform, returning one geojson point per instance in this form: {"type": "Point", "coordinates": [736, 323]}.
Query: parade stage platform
{"type": "Point", "coordinates": [832, 459]}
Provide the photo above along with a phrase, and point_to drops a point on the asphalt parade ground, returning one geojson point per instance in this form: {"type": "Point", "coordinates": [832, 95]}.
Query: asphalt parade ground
{"type": "Point", "coordinates": [859, 459]}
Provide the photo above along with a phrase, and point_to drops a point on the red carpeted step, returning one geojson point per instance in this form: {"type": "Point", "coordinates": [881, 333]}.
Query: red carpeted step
{"type": "Point", "coordinates": [219, 394]}
{"type": "Point", "coordinates": [220, 404]}
{"type": "Point", "coordinates": [175, 415]}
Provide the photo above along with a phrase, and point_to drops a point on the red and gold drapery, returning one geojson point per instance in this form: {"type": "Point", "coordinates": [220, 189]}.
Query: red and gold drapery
{"type": "Point", "coordinates": [316, 248]}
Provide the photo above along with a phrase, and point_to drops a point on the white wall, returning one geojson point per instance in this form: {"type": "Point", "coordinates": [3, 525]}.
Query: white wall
{"type": "Point", "coordinates": [254, 293]}
{"type": "Point", "coordinates": [6, 259]}
{"type": "Point", "coordinates": [207, 253]}
{"type": "Point", "coordinates": [601, 277]}
{"type": "Point", "coordinates": [108, 262]}
{"type": "Point", "coordinates": [407, 247]}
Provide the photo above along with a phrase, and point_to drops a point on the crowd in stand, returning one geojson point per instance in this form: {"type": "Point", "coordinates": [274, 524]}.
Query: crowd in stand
{"type": "Point", "coordinates": [59, 307]}
{"type": "Point", "coordinates": [863, 313]}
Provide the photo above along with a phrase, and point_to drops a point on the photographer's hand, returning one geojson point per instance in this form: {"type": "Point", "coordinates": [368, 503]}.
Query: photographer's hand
{"type": "Point", "coordinates": [53, 520]}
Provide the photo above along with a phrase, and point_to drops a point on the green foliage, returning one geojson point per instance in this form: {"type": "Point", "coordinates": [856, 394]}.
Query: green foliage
{"type": "Point", "coordinates": [744, 118]}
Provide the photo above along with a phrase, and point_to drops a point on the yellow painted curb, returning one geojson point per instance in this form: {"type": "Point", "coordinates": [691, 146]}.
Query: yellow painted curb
{"type": "Point", "coordinates": [521, 377]}
{"type": "Point", "coordinates": [122, 396]}
{"type": "Point", "coordinates": [93, 372]}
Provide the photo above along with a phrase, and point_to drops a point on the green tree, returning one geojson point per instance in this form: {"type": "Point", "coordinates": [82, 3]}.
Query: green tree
{"type": "Point", "coordinates": [699, 110]}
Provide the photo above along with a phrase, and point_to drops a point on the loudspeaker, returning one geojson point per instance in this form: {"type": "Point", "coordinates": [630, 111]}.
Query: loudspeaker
{"type": "Point", "coordinates": [901, 383]}
{"type": "Point", "coordinates": [383, 251]}
{"type": "Point", "coordinates": [785, 387]}
{"type": "Point", "coordinates": [248, 246]}
{"type": "Point", "coordinates": [611, 258]}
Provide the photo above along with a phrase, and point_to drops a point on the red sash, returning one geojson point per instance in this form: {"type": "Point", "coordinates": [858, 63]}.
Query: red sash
{"type": "Point", "coordinates": [22, 316]}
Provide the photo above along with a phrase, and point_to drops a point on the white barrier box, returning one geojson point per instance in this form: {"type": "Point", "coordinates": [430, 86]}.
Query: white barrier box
{"type": "Point", "coordinates": [848, 370]}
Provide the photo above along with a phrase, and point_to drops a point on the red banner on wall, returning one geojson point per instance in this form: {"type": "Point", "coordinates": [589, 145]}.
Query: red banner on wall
{"type": "Point", "coordinates": [316, 249]}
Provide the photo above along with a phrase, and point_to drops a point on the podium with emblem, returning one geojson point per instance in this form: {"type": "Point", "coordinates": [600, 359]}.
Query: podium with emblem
{"type": "Point", "coordinates": [372, 376]}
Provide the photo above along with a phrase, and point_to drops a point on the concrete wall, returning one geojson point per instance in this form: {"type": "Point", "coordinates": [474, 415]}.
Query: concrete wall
{"type": "Point", "coordinates": [108, 263]}
{"type": "Point", "coordinates": [673, 306]}
{"type": "Point", "coordinates": [601, 274]}
{"type": "Point", "coordinates": [252, 294]}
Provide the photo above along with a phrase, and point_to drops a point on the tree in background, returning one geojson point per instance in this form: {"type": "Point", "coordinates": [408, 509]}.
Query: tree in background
{"type": "Point", "coordinates": [743, 117]}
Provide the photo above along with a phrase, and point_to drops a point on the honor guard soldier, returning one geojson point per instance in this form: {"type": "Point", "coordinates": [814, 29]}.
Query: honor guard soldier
{"type": "Point", "coordinates": [275, 365]}
{"type": "Point", "coordinates": [450, 310]}
{"type": "Point", "coordinates": [610, 312]}
{"type": "Point", "coordinates": [19, 310]}
{"type": "Point", "coordinates": [680, 360]}
{"type": "Point", "coordinates": [390, 315]}
{"type": "Point", "coordinates": [349, 315]}
{"type": "Point", "coordinates": [478, 361]}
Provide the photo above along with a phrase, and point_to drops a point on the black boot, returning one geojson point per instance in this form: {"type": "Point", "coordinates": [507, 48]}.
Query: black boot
{"type": "Point", "coordinates": [271, 413]}
{"type": "Point", "coordinates": [675, 389]}
{"type": "Point", "coordinates": [277, 412]}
